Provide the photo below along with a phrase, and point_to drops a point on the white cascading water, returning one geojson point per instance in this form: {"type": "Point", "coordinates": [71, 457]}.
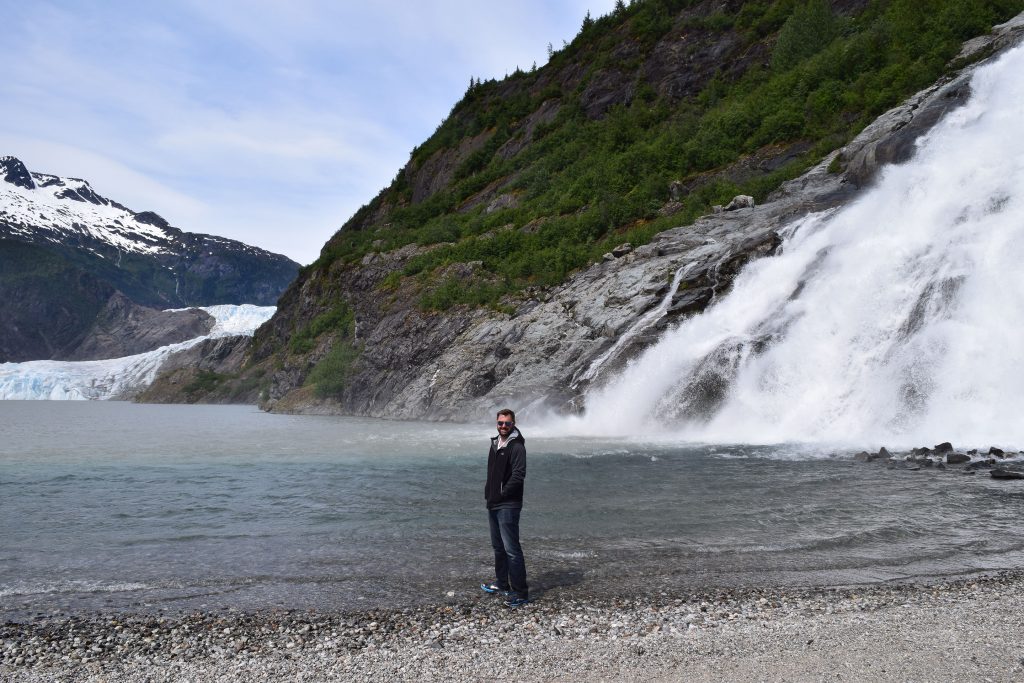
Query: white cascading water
{"type": "Point", "coordinates": [898, 319]}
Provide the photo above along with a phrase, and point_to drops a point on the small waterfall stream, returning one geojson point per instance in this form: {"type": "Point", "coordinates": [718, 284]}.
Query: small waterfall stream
{"type": "Point", "coordinates": [895, 319]}
{"type": "Point", "coordinates": [645, 323]}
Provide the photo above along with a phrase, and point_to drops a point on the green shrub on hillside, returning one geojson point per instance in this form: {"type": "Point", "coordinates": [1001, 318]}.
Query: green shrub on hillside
{"type": "Point", "coordinates": [330, 375]}
{"type": "Point", "coordinates": [204, 382]}
{"type": "Point", "coordinates": [339, 319]}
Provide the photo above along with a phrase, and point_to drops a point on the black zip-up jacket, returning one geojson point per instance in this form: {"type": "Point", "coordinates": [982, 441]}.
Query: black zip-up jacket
{"type": "Point", "coordinates": [506, 473]}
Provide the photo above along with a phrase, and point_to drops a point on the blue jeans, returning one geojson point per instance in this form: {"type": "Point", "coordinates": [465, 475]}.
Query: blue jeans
{"type": "Point", "coordinates": [509, 564]}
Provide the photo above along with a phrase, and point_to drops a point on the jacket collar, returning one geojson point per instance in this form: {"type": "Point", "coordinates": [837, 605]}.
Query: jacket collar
{"type": "Point", "coordinates": [514, 435]}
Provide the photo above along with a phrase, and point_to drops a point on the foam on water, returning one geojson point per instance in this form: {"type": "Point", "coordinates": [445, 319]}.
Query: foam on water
{"type": "Point", "coordinates": [894, 320]}
{"type": "Point", "coordinates": [28, 588]}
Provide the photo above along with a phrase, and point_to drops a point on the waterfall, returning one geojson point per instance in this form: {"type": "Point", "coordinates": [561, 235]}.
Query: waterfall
{"type": "Point", "coordinates": [897, 319]}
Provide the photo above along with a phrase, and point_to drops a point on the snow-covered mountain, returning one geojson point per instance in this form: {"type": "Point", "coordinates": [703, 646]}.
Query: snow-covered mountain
{"type": "Point", "coordinates": [39, 207]}
{"type": "Point", "coordinates": [65, 251]}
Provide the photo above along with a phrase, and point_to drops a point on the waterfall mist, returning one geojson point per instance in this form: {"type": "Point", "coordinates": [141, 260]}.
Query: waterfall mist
{"type": "Point", "coordinates": [896, 319]}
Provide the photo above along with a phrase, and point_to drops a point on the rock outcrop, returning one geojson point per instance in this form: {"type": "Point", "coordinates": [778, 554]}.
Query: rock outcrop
{"type": "Point", "coordinates": [123, 328]}
{"type": "Point", "coordinates": [206, 372]}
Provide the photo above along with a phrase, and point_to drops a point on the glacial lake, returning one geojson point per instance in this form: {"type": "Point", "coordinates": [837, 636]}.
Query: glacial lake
{"type": "Point", "coordinates": [145, 508]}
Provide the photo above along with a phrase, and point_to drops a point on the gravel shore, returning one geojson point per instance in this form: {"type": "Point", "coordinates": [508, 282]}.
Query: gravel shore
{"type": "Point", "coordinates": [965, 629]}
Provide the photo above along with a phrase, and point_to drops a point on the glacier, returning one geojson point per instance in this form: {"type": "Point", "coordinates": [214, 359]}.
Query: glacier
{"type": "Point", "coordinates": [117, 378]}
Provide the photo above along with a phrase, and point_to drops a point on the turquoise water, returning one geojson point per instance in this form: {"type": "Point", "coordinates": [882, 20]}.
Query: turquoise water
{"type": "Point", "coordinates": [117, 506]}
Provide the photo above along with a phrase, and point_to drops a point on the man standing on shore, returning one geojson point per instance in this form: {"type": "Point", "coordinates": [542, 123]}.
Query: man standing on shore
{"type": "Point", "coordinates": [506, 473]}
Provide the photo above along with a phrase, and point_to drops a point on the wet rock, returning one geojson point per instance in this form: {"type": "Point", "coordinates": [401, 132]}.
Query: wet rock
{"type": "Point", "coordinates": [998, 452]}
{"type": "Point", "coordinates": [892, 137]}
{"type": "Point", "coordinates": [998, 473]}
{"type": "Point", "coordinates": [944, 447]}
{"type": "Point", "coordinates": [864, 456]}
{"type": "Point", "coordinates": [981, 464]}
{"type": "Point", "coordinates": [690, 301]}
{"type": "Point", "coordinates": [924, 450]}
{"type": "Point", "coordinates": [957, 458]}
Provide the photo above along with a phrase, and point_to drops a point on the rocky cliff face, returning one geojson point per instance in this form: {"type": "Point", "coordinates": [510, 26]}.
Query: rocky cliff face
{"type": "Point", "coordinates": [123, 328]}
{"type": "Point", "coordinates": [66, 251]}
{"type": "Point", "coordinates": [548, 345]}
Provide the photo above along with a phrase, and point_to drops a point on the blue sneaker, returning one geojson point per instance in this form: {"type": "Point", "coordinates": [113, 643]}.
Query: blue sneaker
{"type": "Point", "coordinates": [515, 601]}
{"type": "Point", "coordinates": [495, 589]}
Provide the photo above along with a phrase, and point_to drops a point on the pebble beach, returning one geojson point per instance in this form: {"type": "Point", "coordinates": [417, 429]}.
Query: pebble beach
{"type": "Point", "coordinates": [926, 630]}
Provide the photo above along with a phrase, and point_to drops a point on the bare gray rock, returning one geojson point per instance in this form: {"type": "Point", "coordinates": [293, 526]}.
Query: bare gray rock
{"type": "Point", "coordinates": [124, 328]}
{"type": "Point", "coordinates": [740, 201]}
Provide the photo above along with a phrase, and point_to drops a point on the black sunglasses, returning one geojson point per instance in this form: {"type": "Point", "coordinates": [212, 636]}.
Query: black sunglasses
{"type": "Point", "coordinates": [502, 423]}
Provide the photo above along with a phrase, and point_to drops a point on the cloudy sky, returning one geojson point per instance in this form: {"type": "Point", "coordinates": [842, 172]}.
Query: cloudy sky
{"type": "Point", "coordinates": [265, 121]}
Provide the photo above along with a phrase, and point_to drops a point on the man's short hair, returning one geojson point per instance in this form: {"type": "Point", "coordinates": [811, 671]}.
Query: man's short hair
{"type": "Point", "coordinates": [507, 411]}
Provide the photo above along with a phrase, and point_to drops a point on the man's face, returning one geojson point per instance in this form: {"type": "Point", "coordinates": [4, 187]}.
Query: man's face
{"type": "Point", "coordinates": [505, 425]}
